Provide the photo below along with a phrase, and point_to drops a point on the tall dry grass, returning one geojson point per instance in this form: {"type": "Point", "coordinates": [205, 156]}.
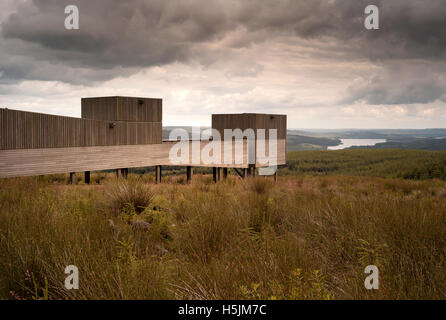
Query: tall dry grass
{"type": "Point", "coordinates": [302, 238]}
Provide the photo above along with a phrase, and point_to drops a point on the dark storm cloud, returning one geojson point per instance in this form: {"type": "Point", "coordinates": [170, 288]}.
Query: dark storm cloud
{"type": "Point", "coordinates": [118, 37]}
{"type": "Point", "coordinates": [402, 82]}
{"type": "Point", "coordinates": [138, 32]}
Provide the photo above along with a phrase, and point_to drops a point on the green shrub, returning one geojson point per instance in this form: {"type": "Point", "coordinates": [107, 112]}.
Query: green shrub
{"type": "Point", "coordinates": [129, 195]}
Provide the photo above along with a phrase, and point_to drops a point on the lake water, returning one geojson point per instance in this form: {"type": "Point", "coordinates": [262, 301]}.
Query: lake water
{"type": "Point", "coordinates": [347, 143]}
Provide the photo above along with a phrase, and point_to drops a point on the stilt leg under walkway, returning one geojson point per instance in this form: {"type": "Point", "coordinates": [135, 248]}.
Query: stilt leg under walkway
{"type": "Point", "coordinates": [214, 174]}
{"type": "Point", "coordinates": [87, 177]}
{"type": "Point", "coordinates": [220, 174]}
{"type": "Point", "coordinates": [189, 173]}
{"type": "Point", "coordinates": [124, 173]}
{"type": "Point", "coordinates": [158, 174]}
{"type": "Point", "coordinates": [71, 180]}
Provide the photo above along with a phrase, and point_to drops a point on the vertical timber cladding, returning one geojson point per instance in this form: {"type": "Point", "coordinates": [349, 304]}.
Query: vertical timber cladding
{"type": "Point", "coordinates": [123, 109]}
{"type": "Point", "coordinates": [255, 121]}
{"type": "Point", "coordinates": [105, 122]}
{"type": "Point", "coordinates": [129, 110]}
{"type": "Point", "coordinates": [251, 120]}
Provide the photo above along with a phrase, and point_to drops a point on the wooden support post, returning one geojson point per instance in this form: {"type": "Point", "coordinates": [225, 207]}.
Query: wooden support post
{"type": "Point", "coordinates": [239, 173]}
{"type": "Point", "coordinates": [87, 177]}
{"type": "Point", "coordinates": [118, 173]}
{"type": "Point", "coordinates": [276, 174]}
{"type": "Point", "coordinates": [245, 173]}
{"type": "Point", "coordinates": [124, 173]}
{"type": "Point", "coordinates": [220, 174]}
{"type": "Point", "coordinates": [189, 173]}
{"type": "Point", "coordinates": [214, 174]}
{"type": "Point", "coordinates": [158, 174]}
{"type": "Point", "coordinates": [72, 175]}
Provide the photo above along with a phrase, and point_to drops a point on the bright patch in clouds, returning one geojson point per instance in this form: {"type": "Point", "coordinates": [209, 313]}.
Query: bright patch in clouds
{"type": "Point", "coordinates": [311, 60]}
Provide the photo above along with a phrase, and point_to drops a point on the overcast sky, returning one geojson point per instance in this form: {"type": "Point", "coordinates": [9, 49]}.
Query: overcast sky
{"type": "Point", "coordinates": [310, 59]}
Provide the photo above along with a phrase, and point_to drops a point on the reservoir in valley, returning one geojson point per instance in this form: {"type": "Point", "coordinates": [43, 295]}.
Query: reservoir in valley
{"type": "Point", "coordinates": [347, 143]}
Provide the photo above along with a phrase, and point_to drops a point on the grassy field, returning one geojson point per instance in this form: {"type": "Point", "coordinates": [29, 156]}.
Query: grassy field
{"type": "Point", "coordinates": [305, 237]}
{"type": "Point", "coordinates": [386, 163]}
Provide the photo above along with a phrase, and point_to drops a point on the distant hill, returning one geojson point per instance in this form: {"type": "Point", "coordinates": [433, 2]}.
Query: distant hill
{"type": "Point", "coordinates": [301, 140]}
{"type": "Point", "coordinates": [420, 144]}
{"type": "Point", "coordinates": [167, 130]}
{"type": "Point", "coordinates": [372, 133]}
{"type": "Point", "coordinates": [299, 143]}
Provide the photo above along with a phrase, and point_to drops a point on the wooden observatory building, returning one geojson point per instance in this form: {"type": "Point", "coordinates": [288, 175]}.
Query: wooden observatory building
{"type": "Point", "coordinates": [112, 133]}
